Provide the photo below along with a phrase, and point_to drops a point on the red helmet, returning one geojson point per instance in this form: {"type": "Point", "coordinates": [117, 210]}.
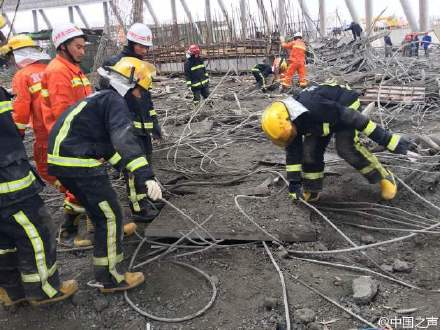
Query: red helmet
{"type": "Point", "coordinates": [194, 50]}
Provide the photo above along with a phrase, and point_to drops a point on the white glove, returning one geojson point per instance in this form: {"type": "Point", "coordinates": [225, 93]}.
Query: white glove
{"type": "Point", "coordinates": [282, 39]}
{"type": "Point", "coordinates": [154, 191]}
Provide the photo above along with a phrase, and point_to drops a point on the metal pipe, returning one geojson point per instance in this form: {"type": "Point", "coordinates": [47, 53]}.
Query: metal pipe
{"type": "Point", "coordinates": [406, 6]}
{"type": "Point", "coordinates": [352, 10]}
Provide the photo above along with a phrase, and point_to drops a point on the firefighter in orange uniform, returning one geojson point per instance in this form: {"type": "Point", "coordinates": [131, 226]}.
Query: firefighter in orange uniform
{"type": "Point", "coordinates": [297, 60]}
{"type": "Point", "coordinates": [26, 86]}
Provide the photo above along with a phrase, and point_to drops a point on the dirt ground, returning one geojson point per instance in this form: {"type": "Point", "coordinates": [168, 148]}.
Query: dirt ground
{"type": "Point", "coordinates": [249, 292]}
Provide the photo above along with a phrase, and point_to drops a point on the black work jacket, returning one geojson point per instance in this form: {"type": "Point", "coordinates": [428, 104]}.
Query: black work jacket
{"type": "Point", "coordinates": [264, 69]}
{"type": "Point", "coordinates": [95, 130]}
{"type": "Point", "coordinates": [323, 103]}
{"type": "Point", "coordinates": [195, 73]}
{"type": "Point", "coordinates": [144, 115]}
{"type": "Point", "coordinates": [18, 181]}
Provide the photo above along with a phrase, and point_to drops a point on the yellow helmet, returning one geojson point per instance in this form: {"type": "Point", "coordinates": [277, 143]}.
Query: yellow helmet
{"type": "Point", "coordinates": [277, 125]}
{"type": "Point", "coordinates": [135, 70]}
{"type": "Point", "coordinates": [2, 21]}
{"type": "Point", "coordinates": [21, 41]}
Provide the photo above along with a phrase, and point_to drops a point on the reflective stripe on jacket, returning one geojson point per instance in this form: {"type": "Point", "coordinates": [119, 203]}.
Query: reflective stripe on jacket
{"type": "Point", "coordinates": [26, 85]}
{"type": "Point", "coordinates": [63, 84]}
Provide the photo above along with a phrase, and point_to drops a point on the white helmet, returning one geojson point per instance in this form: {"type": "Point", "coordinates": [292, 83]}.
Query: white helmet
{"type": "Point", "coordinates": [67, 31]}
{"type": "Point", "coordinates": [298, 35]}
{"type": "Point", "coordinates": [140, 34]}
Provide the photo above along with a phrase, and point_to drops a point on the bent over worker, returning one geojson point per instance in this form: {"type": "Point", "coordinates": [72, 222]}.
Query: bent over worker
{"type": "Point", "coordinates": [261, 72]}
{"type": "Point", "coordinates": [297, 60]}
{"type": "Point", "coordinates": [28, 268]}
{"type": "Point", "coordinates": [144, 116]}
{"type": "Point", "coordinates": [197, 78]}
{"type": "Point", "coordinates": [305, 125]}
{"type": "Point", "coordinates": [96, 129]}
{"type": "Point", "coordinates": [26, 86]}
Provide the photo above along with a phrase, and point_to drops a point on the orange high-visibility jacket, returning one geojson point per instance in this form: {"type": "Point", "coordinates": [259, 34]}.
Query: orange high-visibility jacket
{"type": "Point", "coordinates": [26, 85]}
{"type": "Point", "coordinates": [63, 84]}
{"type": "Point", "coordinates": [297, 51]}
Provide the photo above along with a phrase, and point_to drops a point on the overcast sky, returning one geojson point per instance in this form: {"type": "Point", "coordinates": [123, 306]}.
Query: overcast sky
{"type": "Point", "coordinates": [94, 13]}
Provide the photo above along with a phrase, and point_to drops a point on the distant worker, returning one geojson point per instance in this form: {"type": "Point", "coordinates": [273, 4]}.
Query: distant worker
{"type": "Point", "coordinates": [28, 268]}
{"type": "Point", "coordinates": [297, 60]}
{"type": "Point", "coordinates": [261, 72]}
{"type": "Point", "coordinates": [197, 78]}
{"type": "Point", "coordinates": [426, 43]}
{"type": "Point", "coordinates": [356, 30]}
{"type": "Point", "coordinates": [304, 127]}
{"type": "Point", "coordinates": [95, 130]}
{"type": "Point", "coordinates": [30, 61]}
{"type": "Point", "coordinates": [388, 46]}
{"type": "Point", "coordinates": [415, 43]}
{"type": "Point", "coordinates": [64, 84]}
{"type": "Point", "coordinates": [144, 116]}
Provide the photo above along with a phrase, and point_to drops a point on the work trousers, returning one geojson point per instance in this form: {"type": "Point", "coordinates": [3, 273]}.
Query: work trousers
{"type": "Point", "coordinates": [137, 195]}
{"type": "Point", "coordinates": [40, 157]}
{"type": "Point", "coordinates": [349, 148]}
{"type": "Point", "coordinates": [293, 68]}
{"type": "Point", "coordinates": [28, 251]}
{"type": "Point", "coordinates": [200, 91]}
{"type": "Point", "coordinates": [102, 206]}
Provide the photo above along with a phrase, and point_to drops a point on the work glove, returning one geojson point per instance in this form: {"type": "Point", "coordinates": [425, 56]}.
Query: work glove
{"type": "Point", "coordinates": [154, 191]}
{"type": "Point", "coordinates": [282, 39]}
{"type": "Point", "coordinates": [295, 191]}
{"type": "Point", "coordinates": [157, 132]}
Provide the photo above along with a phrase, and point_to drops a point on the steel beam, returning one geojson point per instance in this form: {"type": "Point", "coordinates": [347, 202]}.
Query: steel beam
{"type": "Point", "coordinates": [45, 19]}
{"type": "Point", "coordinates": [151, 11]}
{"type": "Point", "coordinates": [106, 16]}
{"type": "Point", "coordinates": [71, 18]}
{"type": "Point", "coordinates": [82, 17]}
{"type": "Point", "coordinates": [35, 19]}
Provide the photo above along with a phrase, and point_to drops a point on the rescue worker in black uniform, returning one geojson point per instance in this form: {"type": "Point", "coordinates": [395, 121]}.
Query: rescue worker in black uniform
{"type": "Point", "coordinates": [197, 79]}
{"type": "Point", "coordinates": [97, 129]}
{"type": "Point", "coordinates": [28, 268]}
{"type": "Point", "coordinates": [144, 116]}
{"type": "Point", "coordinates": [304, 126]}
{"type": "Point", "coordinates": [261, 72]}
